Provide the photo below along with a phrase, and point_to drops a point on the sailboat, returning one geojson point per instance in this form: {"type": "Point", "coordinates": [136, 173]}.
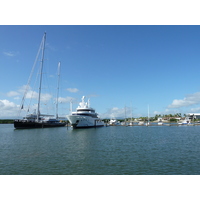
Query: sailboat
{"type": "Point", "coordinates": [148, 123]}
{"type": "Point", "coordinates": [38, 120]}
{"type": "Point", "coordinates": [131, 122]}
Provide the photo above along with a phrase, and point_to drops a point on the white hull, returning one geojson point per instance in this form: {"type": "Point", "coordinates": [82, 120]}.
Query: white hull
{"type": "Point", "coordinates": [78, 121]}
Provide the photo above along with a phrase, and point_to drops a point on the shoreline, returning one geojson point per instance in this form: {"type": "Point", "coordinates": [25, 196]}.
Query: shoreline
{"type": "Point", "coordinates": [6, 121]}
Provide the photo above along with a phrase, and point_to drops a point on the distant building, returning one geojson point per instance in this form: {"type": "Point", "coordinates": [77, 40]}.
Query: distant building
{"type": "Point", "coordinates": [193, 115]}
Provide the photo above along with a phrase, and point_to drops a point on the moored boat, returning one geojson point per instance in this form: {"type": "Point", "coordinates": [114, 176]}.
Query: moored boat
{"type": "Point", "coordinates": [37, 120]}
{"type": "Point", "coordinates": [186, 121]}
{"type": "Point", "coordinates": [85, 116]}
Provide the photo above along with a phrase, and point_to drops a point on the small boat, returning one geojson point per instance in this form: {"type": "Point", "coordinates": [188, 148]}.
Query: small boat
{"type": "Point", "coordinates": [131, 123]}
{"type": "Point", "coordinates": [140, 123]}
{"type": "Point", "coordinates": [85, 116]}
{"type": "Point", "coordinates": [38, 120]}
{"type": "Point", "coordinates": [113, 122]}
{"type": "Point", "coordinates": [148, 123]}
{"type": "Point", "coordinates": [186, 121]}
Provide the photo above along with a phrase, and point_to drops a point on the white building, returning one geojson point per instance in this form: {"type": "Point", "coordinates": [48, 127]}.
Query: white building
{"type": "Point", "coordinates": [193, 115]}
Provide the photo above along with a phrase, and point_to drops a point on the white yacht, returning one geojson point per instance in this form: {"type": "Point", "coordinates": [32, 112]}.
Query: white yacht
{"type": "Point", "coordinates": [140, 123]}
{"type": "Point", "coordinates": [85, 116]}
{"type": "Point", "coordinates": [186, 121]}
{"type": "Point", "coordinates": [113, 122]}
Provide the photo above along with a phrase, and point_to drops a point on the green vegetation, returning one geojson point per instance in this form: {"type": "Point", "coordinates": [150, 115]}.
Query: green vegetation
{"type": "Point", "coordinates": [177, 115]}
{"type": "Point", "coordinates": [173, 120]}
{"type": "Point", "coordinates": [6, 121]}
{"type": "Point", "coordinates": [170, 118]}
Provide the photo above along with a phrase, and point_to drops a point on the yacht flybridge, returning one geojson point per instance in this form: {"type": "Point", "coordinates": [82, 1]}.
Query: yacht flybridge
{"type": "Point", "coordinates": [85, 116]}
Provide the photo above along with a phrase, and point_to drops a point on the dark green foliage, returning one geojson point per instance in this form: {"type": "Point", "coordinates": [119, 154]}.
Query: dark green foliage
{"type": "Point", "coordinates": [6, 121]}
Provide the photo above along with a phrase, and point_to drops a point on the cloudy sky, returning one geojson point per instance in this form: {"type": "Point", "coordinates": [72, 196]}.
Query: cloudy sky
{"type": "Point", "coordinates": [117, 67]}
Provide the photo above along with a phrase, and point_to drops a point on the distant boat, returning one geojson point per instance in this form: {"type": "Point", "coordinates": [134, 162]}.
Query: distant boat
{"type": "Point", "coordinates": [38, 120]}
{"type": "Point", "coordinates": [140, 123]}
{"type": "Point", "coordinates": [85, 116]}
{"type": "Point", "coordinates": [147, 123]}
{"type": "Point", "coordinates": [160, 123]}
{"type": "Point", "coordinates": [131, 121]}
{"type": "Point", "coordinates": [186, 121]}
{"type": "Point", "coordinates": [113, 122]}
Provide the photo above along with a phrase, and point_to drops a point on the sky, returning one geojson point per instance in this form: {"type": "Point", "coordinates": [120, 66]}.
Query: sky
{"type": "Point", "coordinates": [122, 69]}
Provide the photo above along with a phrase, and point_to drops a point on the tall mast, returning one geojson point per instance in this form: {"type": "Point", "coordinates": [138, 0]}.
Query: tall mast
{"type": "Point", "coordinates": [131, 112]}
{"type": "Point", "coordinates": [58, 90]}
{"type": "Point", "coordinates": [71, 107]}
{"type": "Point", "coordinates": [41, 70]}
{"type": "Point", "coordinates": [125, 114]}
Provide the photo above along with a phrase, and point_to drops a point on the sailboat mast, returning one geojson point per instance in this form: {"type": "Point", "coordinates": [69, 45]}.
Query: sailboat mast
{"type": "Point", "coordinates": [125, 114]}
{"type": "Point", "coordinates": [41, 70]}
{"type": "Point", "coordinates": [57, 90]}
{"type": "Point", "coordinates": [131, 112]}
{"type": "Point", "coordinates": [71, 106]}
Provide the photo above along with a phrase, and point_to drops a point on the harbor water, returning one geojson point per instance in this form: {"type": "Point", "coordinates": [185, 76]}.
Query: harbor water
{"type": "Point", "coordinates": [114, 150]}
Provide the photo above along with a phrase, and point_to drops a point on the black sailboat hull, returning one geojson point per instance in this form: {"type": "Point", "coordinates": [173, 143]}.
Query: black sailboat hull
{"type": "Point", "coordinates": [28, 125]}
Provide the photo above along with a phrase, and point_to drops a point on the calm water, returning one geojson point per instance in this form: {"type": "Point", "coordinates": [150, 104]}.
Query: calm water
{"type": "Point", "coordinates": [106, 150]}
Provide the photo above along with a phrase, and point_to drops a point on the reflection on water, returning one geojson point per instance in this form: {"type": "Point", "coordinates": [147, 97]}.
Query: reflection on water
{"type": "Point", "coordinates": [106, 150]}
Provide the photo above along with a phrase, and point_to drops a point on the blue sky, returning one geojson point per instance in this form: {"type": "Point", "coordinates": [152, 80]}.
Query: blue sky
{"type": "Point", "coordinates": [114, 66]}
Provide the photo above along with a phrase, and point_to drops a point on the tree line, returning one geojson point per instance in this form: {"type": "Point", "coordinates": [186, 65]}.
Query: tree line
{"type": "Point", "coordinates": [169, 117]}
{"type": "Point", "coordinates": [6, 121]}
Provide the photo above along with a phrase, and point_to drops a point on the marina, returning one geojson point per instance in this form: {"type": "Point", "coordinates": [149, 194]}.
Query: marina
{"type": "Point", "coordinates": [85, 143]}
{"type": "Point", "coordinates": [156, 124]}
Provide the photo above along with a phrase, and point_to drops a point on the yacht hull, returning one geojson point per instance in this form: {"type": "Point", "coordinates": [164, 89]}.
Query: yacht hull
{"type": "Point", "coordinates": [28, 125]}
{"type": "Point", "coordinates": [78, 121]}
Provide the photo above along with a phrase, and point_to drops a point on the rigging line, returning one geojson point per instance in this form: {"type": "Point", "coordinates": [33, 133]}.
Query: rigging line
{"type": "Point", "coordinates": [32, 93]}
{"type": "Point", "coordinates": [29, 79]}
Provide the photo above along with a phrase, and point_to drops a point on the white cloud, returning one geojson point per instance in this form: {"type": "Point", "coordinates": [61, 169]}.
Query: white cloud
{"type": "Point", "coordinates": [10, 54]}
{"type": "Point", "coordinates": [30, 94]}
{"type": "Point", "coordinates": [11, 109]}
{"type": "Point", "coordinates": [189, 100]}
{"type": "Point", "coordinates": [24, 88]}
{"type": "Point", "coordinates": [46, 97]}
{"type": "Point", "coordinates": [116, 112]}
{"type": "Point", "coordinates": [13, 94]}
{"type": "Point", "coordinates": [34, 95]}
{"type": "Point", "coordinates": [8, 109]}
{"type": "Point", "coordinates": [194, 110]}
{"type": "Point", "coordinates": [156, 113]}
{"type": "Point", "coordinates": [5, 104]}
{"type": "Point", "coordinates": [66, 99]}
{"type": "Point", "coordinates": [73, 90]}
